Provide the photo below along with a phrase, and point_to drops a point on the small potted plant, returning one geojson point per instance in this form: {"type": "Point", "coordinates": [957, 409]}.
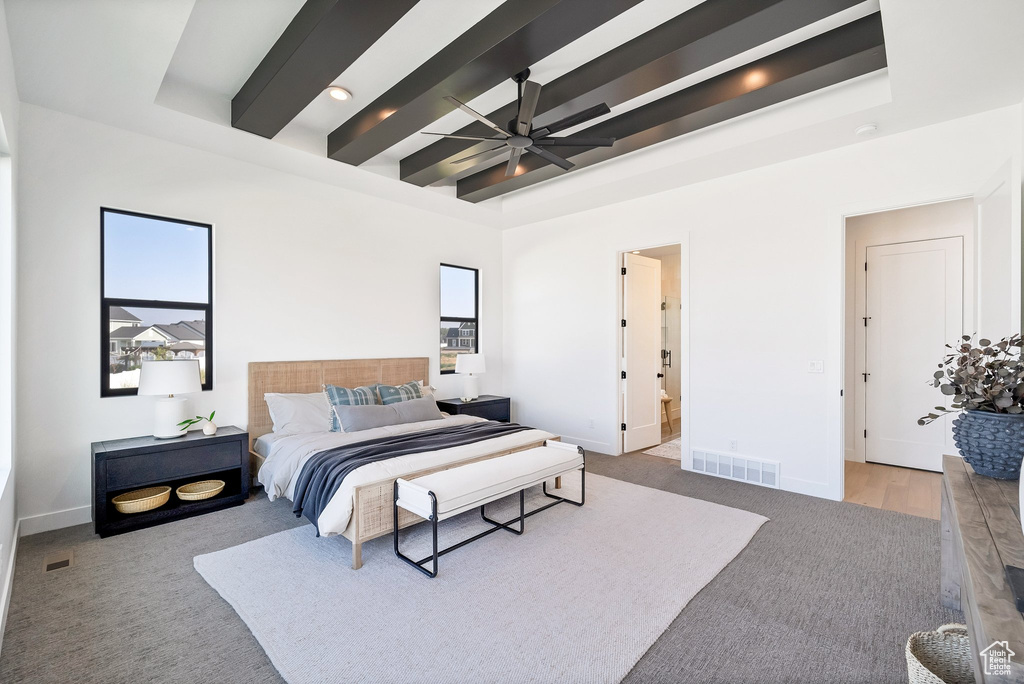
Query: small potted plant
{"type": "Point", "coordinates": [986, 383]}
{"type": "Point", "coordinates": [209, 429]}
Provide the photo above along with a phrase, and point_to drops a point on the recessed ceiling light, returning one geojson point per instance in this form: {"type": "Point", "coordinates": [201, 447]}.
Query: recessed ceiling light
{"type": "Point", "coordinates": [339, 93]}
{"type": "Point", "coordinates": [866, 129]}
{"type": "Point", "coordinates": [636, 251]}
{"type": "Point", "coordinates": [755, 79]}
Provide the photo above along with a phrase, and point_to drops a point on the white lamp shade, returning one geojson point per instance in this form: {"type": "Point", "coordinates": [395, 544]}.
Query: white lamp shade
{"type": "Point", "coordinates": [164, 378]}
{"type": "Point", "coordinates": [470, 363]}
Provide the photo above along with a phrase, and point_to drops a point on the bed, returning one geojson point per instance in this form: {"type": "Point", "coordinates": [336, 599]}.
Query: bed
{"type": "Point", "coordinates": [361, 509]}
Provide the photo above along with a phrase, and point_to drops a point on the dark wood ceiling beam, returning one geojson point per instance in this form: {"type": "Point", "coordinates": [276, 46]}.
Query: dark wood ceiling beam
{"type": "Point", "coordinates": [711, 32]}
{"type": "Point", "coordinates": [846, 52]}
{"type": "Point", "coordinates": [514, 36]}
{"type": "Point", "coordinates": [323, 40]}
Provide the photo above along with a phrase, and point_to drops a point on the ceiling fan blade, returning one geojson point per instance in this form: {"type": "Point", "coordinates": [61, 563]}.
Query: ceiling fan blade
{"type": "Point", "coordinates": [477, 115]}
{"type": "Point", "coordinates": [574, 141]}
{"type": "Point", "coordinates": [531, 93]}
{"type": "Point", "coordinates": [553, 158]}
{"type": "Point", "coordinates": [485, 153]}
{"type": "Point", "coordinates": [513, 161]}
{"type": "Point", "coordinates": [478, 138]}
{"type": "Point", "coordinates": [573, 120]}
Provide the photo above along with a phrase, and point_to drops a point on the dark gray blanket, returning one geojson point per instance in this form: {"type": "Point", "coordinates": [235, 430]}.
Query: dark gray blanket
{"type": "Point", "coordinates": [323, 473]}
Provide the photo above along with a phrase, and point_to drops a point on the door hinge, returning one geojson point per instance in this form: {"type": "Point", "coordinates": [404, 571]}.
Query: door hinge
{"type": "Point", "coordinates": [866, 319]}
{"type": "Point", "coordinates": [865, 376]}
{"type": "Point", "coordinates": [623, 322]}
{"type": "Point", "coordinates": [623, 270]}
{"type": "Point", "coordinates": [865, 265]}
{"type": "Point", "coordinates": [840, 394]}
{"type": "Point", "coordinates": [865, 433]}
{"type": "Point", "coordinates": [623, 375]}
{"type": "Point", "coordinates": [623, 427]}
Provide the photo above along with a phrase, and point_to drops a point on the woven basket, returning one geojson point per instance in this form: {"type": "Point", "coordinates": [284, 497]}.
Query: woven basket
{"type": "Point", "coordinates": [142, 500]}
{"type": "Point", "coordinates": [940, 657]}
{"type": "Point", "coordinates": [197, 491]}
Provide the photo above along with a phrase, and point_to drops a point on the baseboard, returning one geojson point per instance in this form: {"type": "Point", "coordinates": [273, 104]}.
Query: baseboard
{"type": "Point", "coordinates": [822, 490]}
{"type": "Point", "coordinates": [591, 445]}
{"type": "Point", "coordinates": [5, 598]}
{"type": "Point", "coordinates": [55, 521]}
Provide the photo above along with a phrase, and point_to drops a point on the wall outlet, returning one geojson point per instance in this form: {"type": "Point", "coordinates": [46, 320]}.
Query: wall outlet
{"type": "Point", "coordinates": [734, 445]}
{"type": "Point", "coordinates": [815, 366]}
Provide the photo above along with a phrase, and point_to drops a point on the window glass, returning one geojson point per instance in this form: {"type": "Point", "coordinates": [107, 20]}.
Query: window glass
{"type": "Point", "coordinates": [459, 314]}
{"type": "Point", "coordinates": [146, 257]}
{"type": "Point", "coordinates": [155, 302]}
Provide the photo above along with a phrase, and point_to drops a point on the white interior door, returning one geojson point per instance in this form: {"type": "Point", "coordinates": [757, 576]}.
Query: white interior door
{"type": "Point", "coordinates": [641, 352]}
{"type": "Point", "coordinates": [915, 307]}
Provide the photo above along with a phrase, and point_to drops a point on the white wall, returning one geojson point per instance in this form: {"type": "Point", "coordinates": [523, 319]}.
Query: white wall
{"type": "Point", "coordinates": [765, 293]}
{"type": "Point", "coordinates": [925, 222]}
{"type": "Point", "coordinates": [303, 270]}
{"type": "Point", "coordinates": [9, 154]}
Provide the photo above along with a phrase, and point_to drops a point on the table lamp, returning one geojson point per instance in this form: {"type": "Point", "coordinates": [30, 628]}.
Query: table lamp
{"type": "Point", "coordinates": [470, 365]}
{"type": "Point", "coordinates": [167, 379]}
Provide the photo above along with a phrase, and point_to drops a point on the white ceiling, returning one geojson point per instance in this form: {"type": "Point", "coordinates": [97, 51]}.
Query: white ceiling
{"type": "Point", "coordinates": [169, 69]}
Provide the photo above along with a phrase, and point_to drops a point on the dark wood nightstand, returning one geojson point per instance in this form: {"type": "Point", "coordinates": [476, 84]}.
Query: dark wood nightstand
{"type": "Point", "coordinates": [485, 406]}
{"type": "Point", "coordinates": [123, 465]}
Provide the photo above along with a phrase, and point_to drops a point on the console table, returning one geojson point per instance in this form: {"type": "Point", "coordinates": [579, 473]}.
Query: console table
{"type": "Point", "coordinates": [981, 534]}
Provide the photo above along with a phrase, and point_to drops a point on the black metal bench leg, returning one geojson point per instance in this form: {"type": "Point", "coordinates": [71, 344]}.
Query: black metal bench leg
{"type": "Point", "coordinates": [508, 525]}
{"type": "Point", "coordinates": [583, 485]}
{"type": "Point", "coordinates": [433, 523]}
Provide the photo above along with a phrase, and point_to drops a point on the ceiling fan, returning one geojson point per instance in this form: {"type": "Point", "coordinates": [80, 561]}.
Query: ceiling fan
{"type": "Point", "coordinates": [520, 135]}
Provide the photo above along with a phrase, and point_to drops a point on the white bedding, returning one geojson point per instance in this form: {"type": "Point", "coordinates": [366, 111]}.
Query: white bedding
{"type": "Point", "coordinates": [286, 454]}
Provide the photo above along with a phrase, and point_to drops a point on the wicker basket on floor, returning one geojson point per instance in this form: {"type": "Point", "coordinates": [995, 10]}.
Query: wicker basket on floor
{"type": "Point", "coordinates": [940, 657]}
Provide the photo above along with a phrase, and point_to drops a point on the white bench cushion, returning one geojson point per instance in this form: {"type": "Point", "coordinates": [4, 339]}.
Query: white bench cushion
{"type": "Point", "coordinates": [465, 487]}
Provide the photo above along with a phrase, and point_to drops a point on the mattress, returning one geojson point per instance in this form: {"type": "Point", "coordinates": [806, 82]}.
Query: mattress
{"type": "Point", "coordinates": [286, 454]}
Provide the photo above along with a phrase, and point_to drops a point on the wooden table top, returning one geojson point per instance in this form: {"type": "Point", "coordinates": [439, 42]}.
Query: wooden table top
{"type": "Point", "coordinates": [986, 520]}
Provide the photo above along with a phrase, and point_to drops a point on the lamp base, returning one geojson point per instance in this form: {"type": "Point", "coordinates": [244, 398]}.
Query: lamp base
{"type": "Point", "coordinates": [169, 412]}
{"type": "Point", "coordinates": [471, 388]}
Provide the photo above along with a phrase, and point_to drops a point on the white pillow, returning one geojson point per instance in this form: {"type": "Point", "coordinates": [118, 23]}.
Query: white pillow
{"type": "Point", "coordinates": [425, 389]}
{"type": "Point", "coordinates": [299, 413]}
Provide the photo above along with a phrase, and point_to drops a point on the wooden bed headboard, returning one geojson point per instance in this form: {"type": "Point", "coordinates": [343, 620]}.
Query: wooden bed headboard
{"type": "Point", "coordinates": [310, 376]}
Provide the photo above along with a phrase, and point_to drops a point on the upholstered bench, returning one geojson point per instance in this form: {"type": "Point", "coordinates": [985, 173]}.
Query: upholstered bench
{"type": "Point", "coordinates": [447, 493]}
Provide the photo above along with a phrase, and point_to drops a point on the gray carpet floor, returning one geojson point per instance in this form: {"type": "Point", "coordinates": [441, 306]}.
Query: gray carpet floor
{"type": "Point", "coordinates": [825, 592]}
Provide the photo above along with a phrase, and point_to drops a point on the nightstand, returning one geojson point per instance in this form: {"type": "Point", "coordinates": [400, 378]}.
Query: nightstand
{"type": "Point", "coordinates": [485, 406]}
{"type": "Point", "coordinates": [123, 465]}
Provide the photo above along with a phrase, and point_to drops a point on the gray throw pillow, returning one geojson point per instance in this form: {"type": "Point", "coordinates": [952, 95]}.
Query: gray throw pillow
{"type": "Point", "coordinates": [357, 418]}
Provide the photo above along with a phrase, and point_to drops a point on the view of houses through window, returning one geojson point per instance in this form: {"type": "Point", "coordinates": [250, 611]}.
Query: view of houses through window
{"type": "Point", "coordinates": [156, 296]}
{"type": "Point", "coordinates": [136, 336]}
{"type": "Point", "coordinates": [460, 289]}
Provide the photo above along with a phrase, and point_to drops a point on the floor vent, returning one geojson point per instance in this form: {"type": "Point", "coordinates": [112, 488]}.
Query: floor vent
{"type": "Point", "coordinates": [59, 561]}
{"type": "Point", "coordinates": [753, 470]}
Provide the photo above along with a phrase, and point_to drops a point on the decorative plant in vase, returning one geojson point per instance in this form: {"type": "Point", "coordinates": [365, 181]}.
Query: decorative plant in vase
{"type": "Point", "coordinates": [986, 383]}
{"type": "Point", "coordinates": [209, 429]}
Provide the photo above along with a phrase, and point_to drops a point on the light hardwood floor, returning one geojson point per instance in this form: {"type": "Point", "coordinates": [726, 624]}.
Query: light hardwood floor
{"type": "Point", "coordinates": [905, 490]}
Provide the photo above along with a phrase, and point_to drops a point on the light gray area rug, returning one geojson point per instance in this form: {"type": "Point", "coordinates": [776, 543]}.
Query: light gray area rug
{"type": "Point", "coordinates": [673, 450]}
{"type": "Point", "coordinates": [578, 598]}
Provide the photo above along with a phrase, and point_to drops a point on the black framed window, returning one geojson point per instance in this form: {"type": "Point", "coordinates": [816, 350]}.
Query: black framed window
{"type": "Point", "coordinates": [156, 296]}
{"type": "Point", "coordinates": [460, 312]}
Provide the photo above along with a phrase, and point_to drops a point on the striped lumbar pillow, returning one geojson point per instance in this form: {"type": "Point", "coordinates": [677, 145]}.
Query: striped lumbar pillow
{"type": "Point", "coordinates": [390, 394]}
{"type": "Point", "coordinates": [343, 396]}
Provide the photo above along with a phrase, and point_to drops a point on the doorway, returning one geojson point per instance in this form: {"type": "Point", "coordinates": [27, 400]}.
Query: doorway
{"type": "Point", "coordinates": [909, 292]}
{"type": "Point", "coordinates": [652, 355]}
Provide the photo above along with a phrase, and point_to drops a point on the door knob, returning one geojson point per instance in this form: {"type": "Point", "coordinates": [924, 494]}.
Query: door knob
{"type": "Point", "coordinates": [661, 375]}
